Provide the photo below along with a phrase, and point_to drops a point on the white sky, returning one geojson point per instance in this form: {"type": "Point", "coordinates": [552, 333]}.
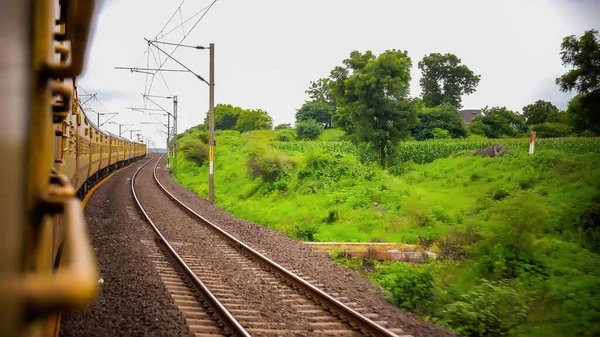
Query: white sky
{"type": "Point", "coordinates": [267, 51]}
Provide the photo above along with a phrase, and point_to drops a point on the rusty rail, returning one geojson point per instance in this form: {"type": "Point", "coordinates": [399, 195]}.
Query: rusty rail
{"type": "Point", "coordinates": [222, 313]}
{"type": "Point", "coordinates": [355, 318]}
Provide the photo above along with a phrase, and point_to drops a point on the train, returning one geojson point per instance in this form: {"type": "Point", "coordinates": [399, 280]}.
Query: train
{"type": "Point", "coordinates": [52, 155]}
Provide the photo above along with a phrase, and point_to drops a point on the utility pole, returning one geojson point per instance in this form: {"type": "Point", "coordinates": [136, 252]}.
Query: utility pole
{"type": "Point", "coordinates": [131, 133]}
{"type": "Point", "coordinates": [211, 128]}
{"type": "Point", "coordinates": [175, 132]}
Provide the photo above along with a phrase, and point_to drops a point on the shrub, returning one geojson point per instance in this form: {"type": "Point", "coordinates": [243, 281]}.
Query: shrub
{"type": "Point", "coordinates": [408, 287]}
{"type": "Point", "coordinates": [283, 126]}
{"type": "Point", "coordinates": [264, 162]}
{"type": "Point", "coordinates": [491, 309]}
{"type": "Point", "coordinates": [286, 135]}
{"type": "Point", "coordinates": [309, 129]}
{"type": "Point", "coordinates": [194, 150]}
{"type": "Point", "coordinates": [552, 130]}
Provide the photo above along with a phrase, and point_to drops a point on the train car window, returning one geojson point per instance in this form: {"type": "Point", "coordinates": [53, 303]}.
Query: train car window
{"type": "Point", "coordinates": [78, 119]}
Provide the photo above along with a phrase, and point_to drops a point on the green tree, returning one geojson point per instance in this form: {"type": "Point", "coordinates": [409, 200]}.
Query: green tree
{"type": "Point", "coordinates": [583, 55]}
{"type": "Point", "coordinates": [444, 80]}
{"type": "Point", "coordinates": [254, 120]}
{"type": "Point", "coordinates": [497, 122]}
{"type": "Point", "coordinates": [283, 126]}
{"type": "Point", "coordinates": [372, 97]}
{"type": "Point", "coordinates": [308, 129]}
{"type": "Point", "coordinates": [444, 117]}
{"type": "Point", "coordinates": [552, 130]}
{"type": "Point", "coordinates": [320, 91]}
{"type": "Point", "coordinates": [582, 112]}
{"type": "Point", "coordinates": [540, 112]}
{"type": "Point", "coordinates": [316, 110]}
{"type": "Point", "coordinates": [226, 116]}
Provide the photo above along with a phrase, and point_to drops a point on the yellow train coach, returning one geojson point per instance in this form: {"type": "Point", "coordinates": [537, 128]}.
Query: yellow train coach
{"type": "Point", "coordinates": [51, 155]}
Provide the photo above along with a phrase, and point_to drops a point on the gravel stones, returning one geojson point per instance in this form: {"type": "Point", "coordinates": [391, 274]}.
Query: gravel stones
{"type": "Point", "coordinates": [133, 300]}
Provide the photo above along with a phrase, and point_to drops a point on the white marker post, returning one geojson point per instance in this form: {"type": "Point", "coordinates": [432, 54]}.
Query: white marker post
{"type": "Point", "coordinates": [532, 143]}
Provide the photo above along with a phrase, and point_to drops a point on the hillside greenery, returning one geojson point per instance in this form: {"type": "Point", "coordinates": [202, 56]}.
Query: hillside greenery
{"type": "Point", "coordinates": [517, 235]}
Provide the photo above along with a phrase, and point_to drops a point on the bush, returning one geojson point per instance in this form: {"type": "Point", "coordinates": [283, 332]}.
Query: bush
{"type": "Point", "coordinates": [283, 126]}
{"type": "Point", "coordinates": [552, 130]}
{"type": "Point", "coordinates": [309, 129]}
{"type": "Point", "coordinates": [264, 162]}
{"type": "Point", "coordinates": [491, 309]}
{"type": "Point", "coordinates": [194, 150]}
{"type": "Point", "coordinates": [408, 287]}
{"type": "Point", "coordinates": [286, 135]}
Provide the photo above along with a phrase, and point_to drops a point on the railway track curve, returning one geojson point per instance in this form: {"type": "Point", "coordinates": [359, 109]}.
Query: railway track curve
{"type": "Point", "coordinates": [295, 305]}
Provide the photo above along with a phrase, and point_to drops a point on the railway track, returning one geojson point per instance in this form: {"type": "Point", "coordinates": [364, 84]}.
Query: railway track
{"type": "Point", "coordinates": [222, 286]}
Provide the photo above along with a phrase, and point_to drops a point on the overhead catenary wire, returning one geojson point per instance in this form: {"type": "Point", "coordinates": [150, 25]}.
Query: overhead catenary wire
{"type": "Point", "coordinates": [184, 37]}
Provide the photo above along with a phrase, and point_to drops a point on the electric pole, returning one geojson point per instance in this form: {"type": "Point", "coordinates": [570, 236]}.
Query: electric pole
{"type": "Point", "coordinates": [211, 127]}
{"type": "Point", "coordinates": [175, 132]}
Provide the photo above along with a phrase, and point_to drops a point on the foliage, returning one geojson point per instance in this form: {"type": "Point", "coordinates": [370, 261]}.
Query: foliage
{"type": "Point", "coordinates": [444, 117]}
{"type": "Point", "coordinates": [194, 150]}
{"type": "Point", "coordinates": [492, 309]}
{"type": "Point", "coordinates": [283, 126]}
{"type": "Point", "coordinates": [226, 116]}
{"type": "Point", "coordinates": [583, 55]}
{"type": "Point", "coordinates": [286, 135]}
{"type": "Point", "coordinates": [552, 130]}
{"type": "Point", "coordinates": [264, 163]}
{"type": "Point", "coordinates": [309, 129]}
{"type": "Point", "coordinates": [372, 97]}
{"type": "Point", "coordinates": [518, 234]}
{"type": "Point", "coordinates": [408, 287]}
{"type": "Point", "coordinates": [444, 80]}
{"type": "Point", "coordinates": [254, 120]}
{"type": "Point", "coordinates": [320, 91]}
{"type": "Point", "coordinates": [497, 122]}
{"type": "Point", "coordinates": [541, 112]}
{"type": "Point", "coordinates": [317, 111]}
{"type": "Point", "coordinates": [582, 112]}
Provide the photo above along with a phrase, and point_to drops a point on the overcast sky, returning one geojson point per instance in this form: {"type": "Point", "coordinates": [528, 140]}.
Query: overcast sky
{"type": "Point", "coordinates": [267, 51]}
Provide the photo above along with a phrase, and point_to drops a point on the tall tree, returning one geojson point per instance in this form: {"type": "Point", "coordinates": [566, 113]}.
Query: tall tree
{"type": "Point", "coordinates": [372, 97]}
{"type": "Point", "coordinates": [254, 120]}
{"type": "Point", "coordinates": [540, 112]}
{"type": "Point", "coordinates": [320, 91]}
{"type": "Point", "coordinates": [444, 80]}
{"type": "Point", "coordinates": [583, 55]}
{"type": "Point", "coordinates": [316, 110]}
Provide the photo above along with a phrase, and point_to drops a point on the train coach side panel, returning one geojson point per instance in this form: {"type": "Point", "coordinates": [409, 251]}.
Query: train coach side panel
{"type": "Point", "coordinates": [83, 151]}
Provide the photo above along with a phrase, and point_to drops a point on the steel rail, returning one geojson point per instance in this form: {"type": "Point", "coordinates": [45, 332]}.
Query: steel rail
{"type": "Point", "coordinates": [222, 313]}
{"type": "Point", "coordinates": [354, 317]}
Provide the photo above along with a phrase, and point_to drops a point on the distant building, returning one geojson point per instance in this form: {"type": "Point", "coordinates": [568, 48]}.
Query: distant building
{"type": "Point", "coordinates": [468, 114]}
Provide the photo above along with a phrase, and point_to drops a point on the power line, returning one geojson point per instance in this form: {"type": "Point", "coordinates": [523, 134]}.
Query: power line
{"type": "Point", "coordinates": [184, 37]}
{"type": "Point", "coordinates": [161, 74]}
{"type": "Point", "coordinates": [181, 64]}
{"type": "Point", "coordinates": [171, 18]}
{"type": "Point", "coordinates": [188, 19]}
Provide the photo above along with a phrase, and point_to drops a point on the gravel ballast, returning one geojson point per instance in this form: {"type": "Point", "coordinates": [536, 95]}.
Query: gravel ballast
{"type": "Point", "coordinates": [301, 258]}
{"type": "Point", "coordinates": [133, 300]}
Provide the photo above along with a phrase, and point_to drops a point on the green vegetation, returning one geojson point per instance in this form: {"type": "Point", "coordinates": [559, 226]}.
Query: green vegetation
{"type": "Point", "coordinates": [444, 80]}
{"type": "Point", "coordinates": [517, 235]}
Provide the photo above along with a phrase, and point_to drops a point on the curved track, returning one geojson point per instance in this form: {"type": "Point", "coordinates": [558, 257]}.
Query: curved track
{"type": "Point", "coordinates": [328, 315]}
